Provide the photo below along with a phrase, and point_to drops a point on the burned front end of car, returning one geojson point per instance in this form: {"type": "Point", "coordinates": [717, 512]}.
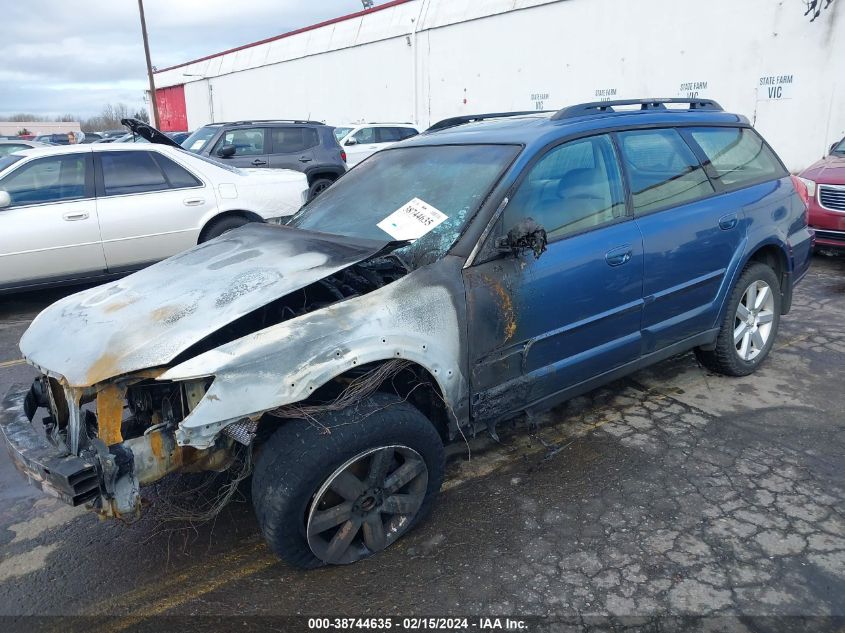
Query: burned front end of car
{"type": "Point", "coordinates": [99, 445]}
{"type": "Point", "coordinates": [177, 367]}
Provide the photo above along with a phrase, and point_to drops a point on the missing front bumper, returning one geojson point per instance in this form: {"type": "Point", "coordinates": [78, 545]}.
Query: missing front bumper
{"type": "Point", "coordinates": [72, 479]}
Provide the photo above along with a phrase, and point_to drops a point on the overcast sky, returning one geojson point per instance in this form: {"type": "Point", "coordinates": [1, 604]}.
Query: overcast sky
{"type": "Point", "coordinates": [62, 57]}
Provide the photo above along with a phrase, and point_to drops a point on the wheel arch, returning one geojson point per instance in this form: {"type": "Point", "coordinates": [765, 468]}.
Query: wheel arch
{"type": "Point", "coordinates": [322, 172]}
{"type": "Point", "coordinates": [250, 216]}
{"type": "Point", "coordinates": [413, 383]}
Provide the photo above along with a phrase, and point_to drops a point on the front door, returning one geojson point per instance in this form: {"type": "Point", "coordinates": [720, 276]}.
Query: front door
{"type": "Point", "coordinates": [366, 143]}
{"type": "Point", "coordinates": [50, 230]}
{"type": "Point", "coordinates": [537, 327]}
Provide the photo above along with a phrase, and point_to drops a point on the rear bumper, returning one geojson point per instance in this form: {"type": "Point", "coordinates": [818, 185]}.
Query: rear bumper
{"type": "Point", "coordinates": [68, 477]}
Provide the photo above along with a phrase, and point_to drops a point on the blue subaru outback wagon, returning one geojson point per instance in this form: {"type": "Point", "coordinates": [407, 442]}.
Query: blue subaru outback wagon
{"type": "Point", "coordinates": [498, 265]}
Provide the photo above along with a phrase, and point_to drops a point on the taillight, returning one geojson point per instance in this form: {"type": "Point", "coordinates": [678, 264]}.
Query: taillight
{"type": "Point", "coordinates": [343, 155]}
{"type": "Point", "coordinates": [804, 194]}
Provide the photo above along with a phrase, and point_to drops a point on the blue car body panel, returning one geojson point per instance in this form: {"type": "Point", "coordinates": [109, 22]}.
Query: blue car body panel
{"type": "Point", "coordinates": [568, 321]}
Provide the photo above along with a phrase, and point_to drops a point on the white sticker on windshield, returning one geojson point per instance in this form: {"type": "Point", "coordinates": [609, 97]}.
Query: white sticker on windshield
{"type": "Point", "coordinates": [412, 220]}
{"type": "Point", "coordinates": [197, 145]}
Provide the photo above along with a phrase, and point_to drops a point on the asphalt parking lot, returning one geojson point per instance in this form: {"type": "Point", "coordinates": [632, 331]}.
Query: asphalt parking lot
{"type": "Point", "coordinates": [672, 492]}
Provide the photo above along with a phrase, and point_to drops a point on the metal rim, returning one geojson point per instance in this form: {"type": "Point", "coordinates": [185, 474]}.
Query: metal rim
{"type": "Point", "coordinates": [754, 319]}
{"type": "Point", "coordinates": [366, 504]}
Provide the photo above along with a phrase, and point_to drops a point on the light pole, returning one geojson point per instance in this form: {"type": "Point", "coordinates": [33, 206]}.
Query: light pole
{"type": "Point", "coordinates": [149, 64]}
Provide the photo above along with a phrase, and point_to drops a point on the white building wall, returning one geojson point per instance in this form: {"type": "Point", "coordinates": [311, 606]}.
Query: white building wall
{"type": "Point", "coordinates": [429, 59]}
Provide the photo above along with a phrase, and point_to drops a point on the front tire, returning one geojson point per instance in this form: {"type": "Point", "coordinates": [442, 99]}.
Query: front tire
{"type": "Point", "coordinates": [337, 496]}
{"type": "Point", "coordinates": [750, 325]}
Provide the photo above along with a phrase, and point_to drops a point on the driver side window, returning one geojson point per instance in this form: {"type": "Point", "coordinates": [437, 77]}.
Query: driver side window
{"type": "Point", "coordinates": [575, 187]}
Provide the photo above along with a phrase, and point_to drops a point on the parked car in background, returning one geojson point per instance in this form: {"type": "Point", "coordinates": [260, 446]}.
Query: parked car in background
{"type": "Point", "coordinates": [90, 137]}
{"type": "Point", "coordinates": [306, 146]}
{"type": "Point", "coordinates": [179, 137]}
{"type": "Point", "coordinates": [825, 182]}
{"type": "Point", "coordinates": [444, 285]}
{"type": "Point", "coordinates": [7, 147]}
{"type": "Point", "coordinates": [365, 139]}
{"type": "Point", "coordinates": [83, 212]}
{"type": "Point", "coordinates": [53, 139]}
{"type": "Point", "coordinates": [112, 134]}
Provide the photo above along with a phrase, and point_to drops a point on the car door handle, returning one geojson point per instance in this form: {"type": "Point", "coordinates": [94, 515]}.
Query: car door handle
{"type": "Point", "coordinates": [304, 159]}
{"type": "Point", "coordinates": [258, 162]}
{"type": "Point", "coordinates": [193, 202]}
{"type": "Point", "coordinates": [619, 255]}
{"type": "Point", "coordinates": [72, 216]}
{"type": "Point", "coordinates": [727, 222]}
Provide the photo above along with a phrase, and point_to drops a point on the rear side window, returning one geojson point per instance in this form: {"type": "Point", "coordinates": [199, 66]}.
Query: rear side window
{"type": "Point", "coordinates": [662, 170]}
{"type": "Point", "coordinates": [176, 175]}
{"type": "Point", "coordinates": [575, 187]}
{"type": "Point", "coordinates": [391, 134]}
{"type": "Point", "coordinates": [738, 156]}
{"type": "Point", "coordinates": [289, 140]}
{"type": "Point", "coordinates": [130, 172]}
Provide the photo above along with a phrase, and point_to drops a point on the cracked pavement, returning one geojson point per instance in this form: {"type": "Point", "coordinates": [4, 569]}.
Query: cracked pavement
{"type": "Point", "coordinates": [673, 492]}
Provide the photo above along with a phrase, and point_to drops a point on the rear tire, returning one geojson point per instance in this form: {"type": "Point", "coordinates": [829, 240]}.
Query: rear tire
{"type": "Point", "coordinates": [318, 187]}
{"type": "Point", "coordinates": [222, 225]}
{"type": "Point", "coordinates": [750, 325]}
{"type": "Point", "coordinates": [302, 465]}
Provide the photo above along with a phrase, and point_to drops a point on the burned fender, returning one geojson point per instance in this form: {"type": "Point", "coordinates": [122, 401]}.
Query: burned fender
{"type": "Point", "coordinates": [417, 318]}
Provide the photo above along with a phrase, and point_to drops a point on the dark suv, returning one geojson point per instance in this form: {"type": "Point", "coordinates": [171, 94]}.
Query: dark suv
{"type": "Point", "coordinates": [306, 146]}
{"type": "Point", "coordinates": [447, 283]}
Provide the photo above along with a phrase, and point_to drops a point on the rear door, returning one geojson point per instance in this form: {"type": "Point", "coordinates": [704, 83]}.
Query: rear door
{"type": "Point", "coordinates": [149, 206]}
{"type": "Point", "coordinates": [50, 230]}
{"type": "Point", "coordinates": [691, 235]}
{"type": "Point", "coordinates": [540, 326]}
{"type": "Point", "coordinates": [252, 147]}
{"type": "Point", "coordinates": [293, 147]}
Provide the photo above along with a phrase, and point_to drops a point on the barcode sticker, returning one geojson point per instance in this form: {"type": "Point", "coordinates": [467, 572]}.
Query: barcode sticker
{"type": "Point", "coordinates": [412, 220]}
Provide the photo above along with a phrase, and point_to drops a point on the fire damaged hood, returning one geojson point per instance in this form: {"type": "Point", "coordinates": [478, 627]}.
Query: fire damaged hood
{"type": "Point", "coordinates": [147, 319]}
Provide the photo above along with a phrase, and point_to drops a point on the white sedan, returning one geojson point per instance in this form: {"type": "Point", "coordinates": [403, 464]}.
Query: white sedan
{"type": "Point", "coordinates": [362, 140]}
{"type": "Point", "coordinates": [91, 212]}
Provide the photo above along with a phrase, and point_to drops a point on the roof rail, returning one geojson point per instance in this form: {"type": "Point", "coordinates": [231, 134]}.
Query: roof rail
{"type": "Point", "coordinates": [469, 118]}
{"type": "Point", "coordinates": [603, 107]}
{"type": "Point", "coordinates": [299, 121]}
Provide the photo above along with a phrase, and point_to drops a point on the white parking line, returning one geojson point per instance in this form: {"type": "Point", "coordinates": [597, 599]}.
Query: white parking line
{"type": "Point", "coordinates": [11, 363]}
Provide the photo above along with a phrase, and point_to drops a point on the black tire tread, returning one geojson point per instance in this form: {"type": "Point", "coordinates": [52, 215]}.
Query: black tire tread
{"type": "Point", "coordinates": [285, 468]}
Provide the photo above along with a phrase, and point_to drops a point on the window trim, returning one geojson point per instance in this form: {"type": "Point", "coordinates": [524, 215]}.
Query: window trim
{"type": "Point", "coordinates": [157, 155]}
{"type": "Point", "coordinates": [711, 171]}
{"type": "Point", "coordinates": [90, 190]}
{"type": "Point", "coordinates": [100, 183]}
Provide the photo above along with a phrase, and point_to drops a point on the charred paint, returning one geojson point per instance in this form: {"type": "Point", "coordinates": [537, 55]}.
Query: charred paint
{"type": "Point", "coordinates": [503, 299]}
{"type": "Point", "coordinates": [110, 413]}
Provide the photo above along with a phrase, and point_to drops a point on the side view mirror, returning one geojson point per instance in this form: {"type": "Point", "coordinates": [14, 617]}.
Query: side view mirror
{"type": "Point", "coordinates": [351, 141]}
{"type": "Point", "coordinates": [526, 235]}
{"type": "Point", "coordinates": [227, 151]}
{"type": "Point", "coordinates": [5, 199]}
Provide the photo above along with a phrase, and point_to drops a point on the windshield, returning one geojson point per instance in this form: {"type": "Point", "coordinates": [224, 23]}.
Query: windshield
{"type": "Point", "coordinates": [340, 132]}
{"type": "Point", "coordinates": [451, 179]}
{"type": "Point", "coordinates": [8, 161]}
{"type": "Point", "coordinates": [840, 148]}
{"type": "Point", "coordinates": [199, 139]}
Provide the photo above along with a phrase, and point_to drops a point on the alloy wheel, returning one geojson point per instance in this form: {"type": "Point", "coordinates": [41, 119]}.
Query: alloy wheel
{"type": "Point", "coordinates": [366, 504]}
{"type": "Point", "coordinates": [753, 321]}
